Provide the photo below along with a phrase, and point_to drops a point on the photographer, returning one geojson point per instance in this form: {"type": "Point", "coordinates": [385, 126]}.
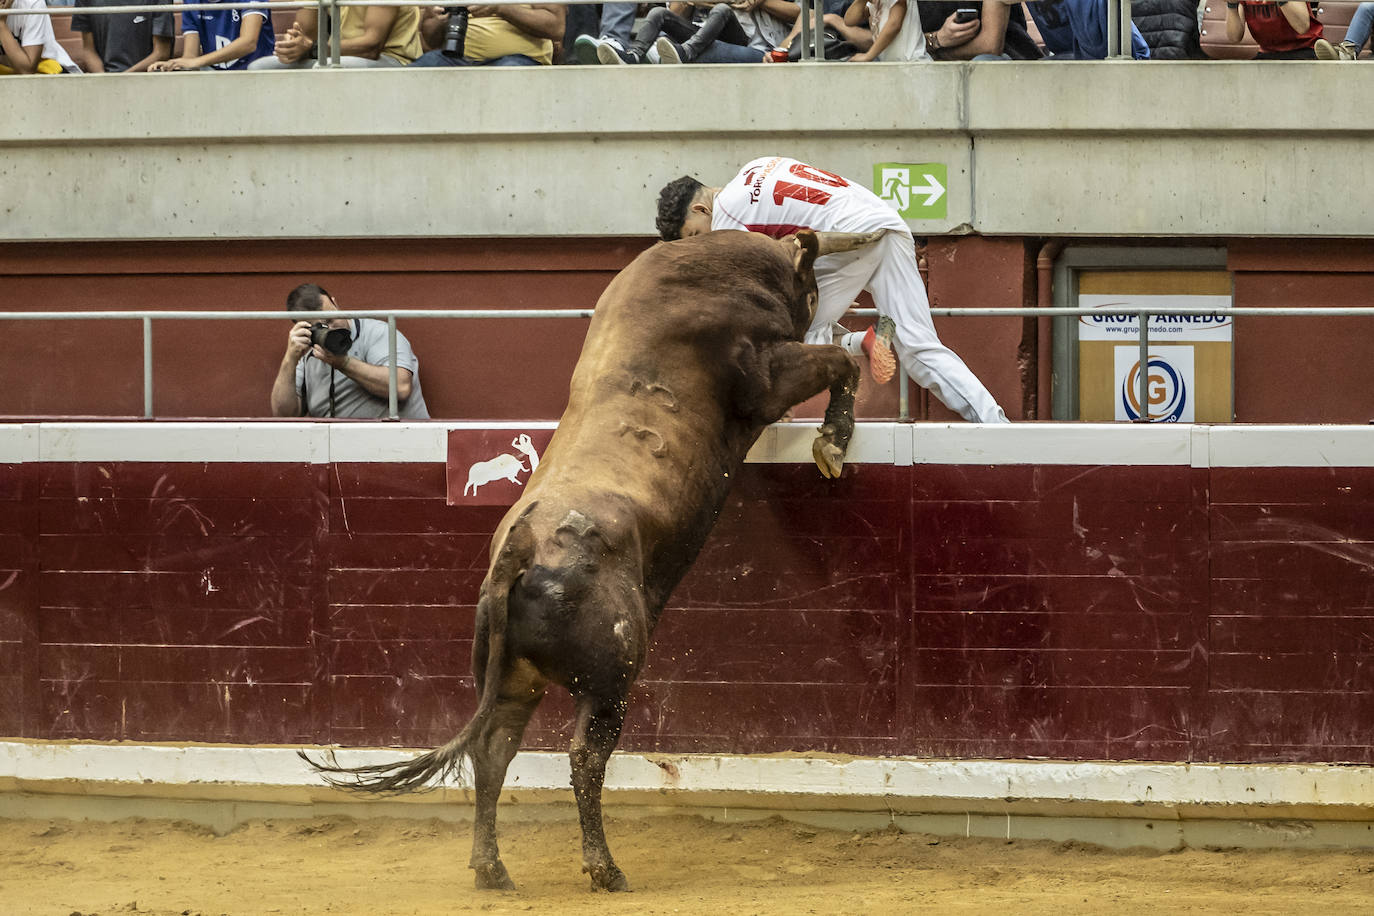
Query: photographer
{"type": "Point", "coordinates": [519, 35]}
{"type": "Point", "coordinates": [337, 367]}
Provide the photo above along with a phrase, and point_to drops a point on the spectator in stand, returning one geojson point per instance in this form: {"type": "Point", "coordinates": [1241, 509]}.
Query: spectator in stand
{"type": "Point", "coordinates": [312, 381]}
{"type": "Point", "coordinates": [842, 40]}
{"type": "Point", "coordinates": [617, 21]}
{"type": "Point", "coordinates": [231, 40]}
{"type": "Point", "coordinates": [1283, 29]}
{"type": "Point", "coordinates": [765, 24]}
{"type": "Point", "coordinates": [1077, 29]}
{"type": "Point", "coordinates": [895, 26]}
{"type": "Point", "coordinates": [498, 36]}
{"type": "Point", "coordinates": [1170, 28]}
{"type": "Point", "coordinates": [998, 33]}
{"type": "Point", "coordinates": [370, 36]}
{"type": "Point", "coordinates": [1356, 37]}
{"type": "Point", "coordinates": [123, 42]}
{"type": "Point", "coordinates": [716, 23]}
{"type": "Point", "coordinates": [27, 42]}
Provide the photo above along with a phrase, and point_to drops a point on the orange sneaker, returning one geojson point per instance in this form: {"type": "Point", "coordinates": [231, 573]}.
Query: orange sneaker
{"type": "Point", "coordinates": [877, 343]}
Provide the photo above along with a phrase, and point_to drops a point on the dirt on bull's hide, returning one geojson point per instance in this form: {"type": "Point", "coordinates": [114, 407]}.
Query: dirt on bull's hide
{"type": "Point", "coordinates": [682, 865]}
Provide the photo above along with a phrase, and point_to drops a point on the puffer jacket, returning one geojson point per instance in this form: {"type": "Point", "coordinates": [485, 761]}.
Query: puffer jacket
{"type": "Point", "coordinates": [1170, 28]}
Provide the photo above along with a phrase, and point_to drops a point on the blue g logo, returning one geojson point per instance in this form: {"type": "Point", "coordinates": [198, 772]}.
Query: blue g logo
{"type": "Point", "coordinates": [1165, 388]}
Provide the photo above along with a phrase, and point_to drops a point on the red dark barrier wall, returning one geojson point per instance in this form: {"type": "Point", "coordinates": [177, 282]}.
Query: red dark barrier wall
{"type": "Point", "coordinates": [946, 610]}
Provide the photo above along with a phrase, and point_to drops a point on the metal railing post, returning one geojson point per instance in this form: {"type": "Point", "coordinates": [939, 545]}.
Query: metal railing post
{"type": "Point", "coordinates": [147, 367]}
{"type": "Point", "coordinates": [1126, 44]}
{"type": "Point", "coordinates": [805, 36]}
{"type": "Point", "coordinates": [392, 402]}
{"type": "Point", "coordinates": [335, 28]}
{"type": "Point", "coordinates": [903, 392]}
{"type": "Point", "coordinates": [321, 34]}
{"type": "Point", "coordinates": [1113, 29]}
{"type": "Point", "coordinates": [1143, 383]}
{"type": "Point", "coordinates": [819, 8]}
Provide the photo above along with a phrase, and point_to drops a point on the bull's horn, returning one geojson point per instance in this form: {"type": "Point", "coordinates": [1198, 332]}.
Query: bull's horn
{"type": "Point", "coordinates": [835, 242]}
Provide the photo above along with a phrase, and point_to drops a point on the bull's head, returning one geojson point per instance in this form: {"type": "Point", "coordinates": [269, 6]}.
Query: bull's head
{"type": "Point", "coordinates": [813, 245]}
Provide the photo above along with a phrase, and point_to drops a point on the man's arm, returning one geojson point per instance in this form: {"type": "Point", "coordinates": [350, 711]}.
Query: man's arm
{"type": "Point", "coordinates": [990, 37]}
{"type": "Point", "coordinates": [23, 58]}
{"type": "Point", "coordinates": [90, 59]}
{"type": "Point", "coordinates": [162, 50]}
{"type": "Point", "coordinates": [377, 24]}
{"type": "Point", "coordinates": [375, 379]}
{"type": "Point", "coordinates": [286, 400]}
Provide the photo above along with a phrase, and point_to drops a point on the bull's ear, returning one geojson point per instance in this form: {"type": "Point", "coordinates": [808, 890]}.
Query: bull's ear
{"type": "Point", "coordinates": [807, 250]}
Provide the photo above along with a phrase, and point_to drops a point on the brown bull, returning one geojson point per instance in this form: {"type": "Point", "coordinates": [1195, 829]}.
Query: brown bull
{"type": "Point", "coordinates": [694, 349]}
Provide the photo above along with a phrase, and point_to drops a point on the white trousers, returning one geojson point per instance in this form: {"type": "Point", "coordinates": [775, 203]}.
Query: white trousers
{"type": "Point", "coordinates": [887, 269]}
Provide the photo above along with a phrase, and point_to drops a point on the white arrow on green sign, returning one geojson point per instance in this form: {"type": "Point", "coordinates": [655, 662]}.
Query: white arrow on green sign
{"type": "Point", "coordinates": [916, 189]}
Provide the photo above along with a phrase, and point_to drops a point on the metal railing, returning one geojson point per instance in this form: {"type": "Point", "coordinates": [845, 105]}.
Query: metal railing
{"type": "Point", "coordinates": [1142, 316]}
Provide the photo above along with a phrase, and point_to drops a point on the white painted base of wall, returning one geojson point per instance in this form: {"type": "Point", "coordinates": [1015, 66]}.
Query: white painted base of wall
{"type": "Point", "coordinates": [1117, 804]}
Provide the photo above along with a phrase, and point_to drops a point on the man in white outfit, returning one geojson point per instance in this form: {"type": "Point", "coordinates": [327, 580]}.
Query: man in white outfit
{"type": "Point", "coordinates": [778, 196]}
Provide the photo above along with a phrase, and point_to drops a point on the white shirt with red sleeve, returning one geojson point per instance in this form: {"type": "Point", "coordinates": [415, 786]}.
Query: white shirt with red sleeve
{"type": "Point", "coordinates": [777, 196]}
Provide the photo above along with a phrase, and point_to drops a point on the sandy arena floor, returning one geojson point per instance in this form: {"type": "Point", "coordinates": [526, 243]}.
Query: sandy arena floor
{"type": "Point", "coordinates": [676, 865]}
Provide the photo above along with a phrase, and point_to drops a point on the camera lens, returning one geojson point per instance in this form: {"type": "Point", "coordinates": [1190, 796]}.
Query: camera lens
{"type": "Point", "coordinates": [334, 340]}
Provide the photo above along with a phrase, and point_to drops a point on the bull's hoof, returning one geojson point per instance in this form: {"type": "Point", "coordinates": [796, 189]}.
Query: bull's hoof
{"type": "Point", "coordinates": [607, 878]}
{"type": "Point", "coordinates": [492, 876]}
{"type": "Point", "coordinates": [829, 458]}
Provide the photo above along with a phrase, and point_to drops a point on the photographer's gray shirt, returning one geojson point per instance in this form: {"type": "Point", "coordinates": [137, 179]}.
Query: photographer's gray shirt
{"type": "Point", "coordinates": [351, 400]}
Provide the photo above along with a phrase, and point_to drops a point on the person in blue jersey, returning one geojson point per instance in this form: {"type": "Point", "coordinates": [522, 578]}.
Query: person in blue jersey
{"type": "Point", "coordinates": [221, 40]}
{"type": "Point", "coordinates": [1077, 29]}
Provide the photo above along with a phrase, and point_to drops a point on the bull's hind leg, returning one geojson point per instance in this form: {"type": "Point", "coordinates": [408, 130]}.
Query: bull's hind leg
{"type": "Point", "coordinates": [598, 729]}
{"type": "Point", "coordinates": [492, 751]}
{"type": "Point", "coordinates": [799, 371]}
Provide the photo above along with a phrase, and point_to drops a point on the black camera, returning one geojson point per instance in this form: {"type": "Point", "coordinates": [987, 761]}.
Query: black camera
{"type": "Point", "coordinates": [334, 340]}
{"type": "Point", "coordinates": [456, 35]}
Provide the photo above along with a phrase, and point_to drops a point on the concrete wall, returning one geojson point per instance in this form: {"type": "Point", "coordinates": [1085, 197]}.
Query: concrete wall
{"type": "Point", "coordinates": [1107, 148]}
{"type": "Point", "coordinates": [1074, 591]}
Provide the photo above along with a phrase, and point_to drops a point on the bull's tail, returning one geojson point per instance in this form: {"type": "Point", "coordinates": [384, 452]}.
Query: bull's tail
{"type": "Point", "coordinates": [421, 773]}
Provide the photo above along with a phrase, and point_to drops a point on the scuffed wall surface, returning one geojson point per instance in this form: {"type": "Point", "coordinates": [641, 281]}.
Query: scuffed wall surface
{"type": "Point", "coordinates": [1114, 612]}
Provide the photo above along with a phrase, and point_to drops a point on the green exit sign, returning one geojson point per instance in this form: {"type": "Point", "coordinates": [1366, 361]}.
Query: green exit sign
{"type": "Point", "coordinates": [916, 189]}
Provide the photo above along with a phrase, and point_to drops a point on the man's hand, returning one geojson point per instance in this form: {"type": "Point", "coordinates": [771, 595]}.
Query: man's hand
{"type": "Point", "coordinates": [167, 66]}
{"type": "Point", "coordinates": [476, 12]}
{"type": "Point", "coordinates": [293, 45]}
{"type": "Point", "coordinates": [952, 34]}
{"type": "Point", "coordinates": [298, 342]}
{"type": "Point", "coordinates": [746, 6]}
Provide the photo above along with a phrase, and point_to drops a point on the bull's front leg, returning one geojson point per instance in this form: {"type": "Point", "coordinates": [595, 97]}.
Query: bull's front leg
{"type": "Point", "coordinates": [798, 371]}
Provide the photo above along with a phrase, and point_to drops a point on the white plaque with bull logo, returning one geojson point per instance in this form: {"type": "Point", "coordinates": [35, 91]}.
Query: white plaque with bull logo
{"type": "Point", "coordinates": [489, 467]}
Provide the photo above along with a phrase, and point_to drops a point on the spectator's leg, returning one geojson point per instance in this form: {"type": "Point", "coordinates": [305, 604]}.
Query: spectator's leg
{"type": "Point", "coordinates": [510, 60]}
{"type": "Point", "coordinates": [721, 15]}
{"type": "Point", "coordinates": [721, 52]}
{"type": "Point", "coordinates": [582, 19]}
{"type": "Point", "coordinates": [359, 63]}
{"type": "Point", "coordinates": [650, 29]}
{"type": "Point", "coordinates": [438, 58]}
{"type": "Point", "coordinates": [618, 21]}
{"type": "Point", "coordinates": [1361, 25]}
{"type": "Point", "coordinates": [271, 63]}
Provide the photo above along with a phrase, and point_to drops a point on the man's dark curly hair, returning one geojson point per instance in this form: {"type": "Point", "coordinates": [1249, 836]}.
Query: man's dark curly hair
{"type": "Point", "coordinates": [674, 202]}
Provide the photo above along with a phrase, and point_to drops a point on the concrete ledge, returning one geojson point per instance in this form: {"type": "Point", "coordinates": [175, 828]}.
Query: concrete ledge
{"type": "Point", "coordinates": [1111, 803]}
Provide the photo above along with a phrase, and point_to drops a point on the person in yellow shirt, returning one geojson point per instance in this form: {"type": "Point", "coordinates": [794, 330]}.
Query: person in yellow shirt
{"type": "Point", "coordinates": [520, 35]}
{"type": "Point", "coordinates": [370, 36]}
